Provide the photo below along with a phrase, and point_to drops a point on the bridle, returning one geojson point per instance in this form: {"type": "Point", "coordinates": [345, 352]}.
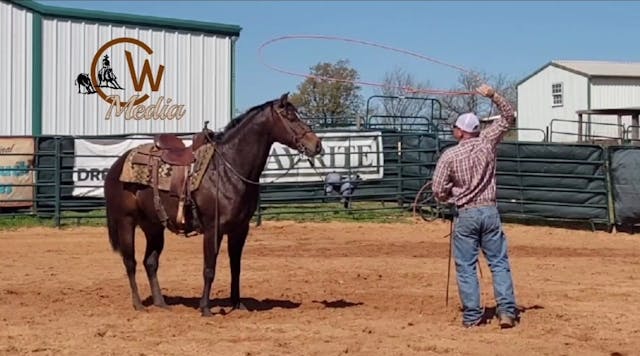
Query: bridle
{"type": "Point", "coordinates": [297, 139]}
{"type": "Point", "coordinates": [296, 136]}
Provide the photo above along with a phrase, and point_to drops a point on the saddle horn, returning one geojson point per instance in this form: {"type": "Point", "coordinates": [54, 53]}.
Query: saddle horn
{"type": "Point", "coordinates": [206, 123]}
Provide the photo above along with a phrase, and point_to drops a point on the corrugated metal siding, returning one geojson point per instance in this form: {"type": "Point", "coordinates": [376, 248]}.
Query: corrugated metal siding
{"type": "Point", "coordinates": [15, 70]}
{"type": "Point", "coordinates": [609, 93]}
{"type": "Point", "coordinates": [535, 104]}
{"type": "Point", "coordinates": [197, 74]}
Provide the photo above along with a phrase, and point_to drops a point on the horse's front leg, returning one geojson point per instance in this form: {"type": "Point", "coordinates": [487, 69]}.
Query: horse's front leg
{"type": "Point", "coordinates": [235, 244]}
{"type": "Point", "coordinates": [209, 271]}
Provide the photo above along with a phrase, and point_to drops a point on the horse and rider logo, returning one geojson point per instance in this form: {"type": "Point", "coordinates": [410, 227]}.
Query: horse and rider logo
{"type": "Point", "coordinates": [105, 77]}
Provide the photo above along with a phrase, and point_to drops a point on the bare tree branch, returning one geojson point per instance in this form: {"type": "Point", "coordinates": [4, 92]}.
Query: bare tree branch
{"type": "Point", "coordinates": [454, 105]}
{"type": "Point", "coordinates": [393, 81]}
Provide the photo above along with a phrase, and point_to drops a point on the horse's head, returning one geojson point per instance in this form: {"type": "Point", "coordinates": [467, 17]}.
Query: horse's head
{"type": "Point", "coordinates": [289, 130]}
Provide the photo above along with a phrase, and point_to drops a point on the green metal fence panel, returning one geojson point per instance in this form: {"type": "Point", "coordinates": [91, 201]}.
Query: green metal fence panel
{"type": "Point", "coordinates": [535, 180]}
{"type": "Point", "coordinates": [54, 181]}
{"type": "Point", "coordinates": [553, 181]}
{"type": "Point", "coordinates": [420, 153]}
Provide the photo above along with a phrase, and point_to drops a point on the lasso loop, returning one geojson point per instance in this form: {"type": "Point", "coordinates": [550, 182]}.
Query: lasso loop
{"type": "Point", "coordinates": [335, 38]}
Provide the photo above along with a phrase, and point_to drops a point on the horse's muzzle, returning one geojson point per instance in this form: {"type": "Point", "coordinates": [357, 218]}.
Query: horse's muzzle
{"type": "Point", "coordinates": [311, 145]}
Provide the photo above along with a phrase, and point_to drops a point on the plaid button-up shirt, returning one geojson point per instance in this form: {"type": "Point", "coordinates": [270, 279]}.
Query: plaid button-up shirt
{"type": "Point", "coordinates": [465, 174]}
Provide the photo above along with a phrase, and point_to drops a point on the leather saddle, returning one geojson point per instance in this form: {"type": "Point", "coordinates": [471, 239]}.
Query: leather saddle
{"type": "Point", "coordinates": [168, 165]}
{"type": "Point", "coordinates": [173, 150]}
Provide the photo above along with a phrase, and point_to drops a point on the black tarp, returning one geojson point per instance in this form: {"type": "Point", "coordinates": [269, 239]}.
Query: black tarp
{"type": "Point", "coordinates": [625, 184]}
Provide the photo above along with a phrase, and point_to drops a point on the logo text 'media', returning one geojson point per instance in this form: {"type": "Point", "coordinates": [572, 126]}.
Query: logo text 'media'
{"type": "Point", "coordinates": [137, 107]}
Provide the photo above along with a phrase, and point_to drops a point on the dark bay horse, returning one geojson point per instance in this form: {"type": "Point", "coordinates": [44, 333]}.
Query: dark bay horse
{"type": "Point", "coordinates": [227, 195]}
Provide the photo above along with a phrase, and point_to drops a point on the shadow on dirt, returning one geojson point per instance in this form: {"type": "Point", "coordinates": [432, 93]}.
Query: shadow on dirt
{"type": "Point", "coordinates": [252, 304]}
{"type": "Point", "coordinates": [337, 303]}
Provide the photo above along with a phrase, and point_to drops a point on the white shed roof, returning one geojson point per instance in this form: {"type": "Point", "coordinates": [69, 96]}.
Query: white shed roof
{"type": "Point", "coordinates": [594, 68]}
{"type": "Point", "coordinates": [603, 69]}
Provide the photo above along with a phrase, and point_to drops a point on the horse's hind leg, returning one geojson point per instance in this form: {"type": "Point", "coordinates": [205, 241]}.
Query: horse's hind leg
{"type": "Point", "coordinates": [126, 228]}
{"type": "Point", "coordinates": [155, 244]}
{"type": "Point", "coordinates": [235, 244]}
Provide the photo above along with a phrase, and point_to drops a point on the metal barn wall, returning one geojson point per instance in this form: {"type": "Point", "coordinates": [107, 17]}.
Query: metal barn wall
{"type": "Point", "coordinates": [15, 70]}
{"type": "Point", "coordinates": [535, 103]}
{"type": "Point", "coordinates": [613, 93]}
{"type": "Point", "coordinates": [197, 74]}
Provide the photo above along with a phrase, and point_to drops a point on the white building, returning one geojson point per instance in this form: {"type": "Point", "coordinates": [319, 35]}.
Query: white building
{"type": "Point", "coordinates": [73, 72]}
{"type": "Point", "coordinates": [560, 89]}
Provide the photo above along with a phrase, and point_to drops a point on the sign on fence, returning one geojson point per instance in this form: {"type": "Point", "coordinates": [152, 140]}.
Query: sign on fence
{"type": "Point", "coordinates": [355, 152]}
{"type": "Point", "coordinates": [358, 152]}
{"type": "Point", "coordinates": [16, 167]}
{"type": "Point", "coordinates": [93, 158]}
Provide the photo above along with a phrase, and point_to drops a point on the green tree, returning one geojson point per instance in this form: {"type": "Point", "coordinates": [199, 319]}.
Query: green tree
{"type": "Point", "coordinates": [324, 98]}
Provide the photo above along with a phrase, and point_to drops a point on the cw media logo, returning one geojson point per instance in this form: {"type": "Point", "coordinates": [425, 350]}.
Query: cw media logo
{"type": "Point", "coordinates": [105, 77]}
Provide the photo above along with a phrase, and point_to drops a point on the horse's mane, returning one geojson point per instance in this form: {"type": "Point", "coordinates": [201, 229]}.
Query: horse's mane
{"type": "Point", "coordinates": [219, 136]}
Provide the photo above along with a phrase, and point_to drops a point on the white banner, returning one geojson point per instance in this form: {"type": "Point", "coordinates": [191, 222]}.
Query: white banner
{"type": "Point", "coordinates": [93, 160]}
{"type": "Point", "coordinates": [355, 152]}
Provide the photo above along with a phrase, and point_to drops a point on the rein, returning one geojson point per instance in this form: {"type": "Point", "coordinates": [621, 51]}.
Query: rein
{"type": "Point", "coordinates": [246, 180]}
{"type": "Point", "coordinates": [242, 178]}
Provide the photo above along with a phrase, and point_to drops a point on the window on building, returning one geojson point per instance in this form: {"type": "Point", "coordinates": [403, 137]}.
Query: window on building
{"type": "Point", "coordinates": [557, 94]}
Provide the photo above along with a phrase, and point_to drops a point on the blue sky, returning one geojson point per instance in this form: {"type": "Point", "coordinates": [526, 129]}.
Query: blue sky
{"type": "Point", "coordinates": [498, 37]}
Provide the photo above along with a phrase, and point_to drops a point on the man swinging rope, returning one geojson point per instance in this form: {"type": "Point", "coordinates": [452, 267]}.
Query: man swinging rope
{"type": "Point", "coordinates": [465, 176]}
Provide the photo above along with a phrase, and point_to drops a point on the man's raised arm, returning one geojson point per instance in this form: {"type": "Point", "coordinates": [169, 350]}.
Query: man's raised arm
{"type": "Point", "coordinates": [496, 131]}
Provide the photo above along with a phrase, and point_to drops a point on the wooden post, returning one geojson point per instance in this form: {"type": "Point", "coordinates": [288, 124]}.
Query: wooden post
{"type": "Point", "coordinates": [635, 122]}
{"type": "Point", "coordinates": [579, 127]}
{"type": "Point", "coordinates": [620, 129]}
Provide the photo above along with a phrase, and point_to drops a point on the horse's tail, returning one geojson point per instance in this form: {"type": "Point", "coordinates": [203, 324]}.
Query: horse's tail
{"type": "Point", "coordinates": [112, 193]}
{"type": "Point", "coordinates": [112, 226]}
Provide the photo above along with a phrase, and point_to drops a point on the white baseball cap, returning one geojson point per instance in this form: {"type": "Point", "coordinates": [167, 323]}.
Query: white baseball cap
{"type": "Point", "coordinates": [468, 122]}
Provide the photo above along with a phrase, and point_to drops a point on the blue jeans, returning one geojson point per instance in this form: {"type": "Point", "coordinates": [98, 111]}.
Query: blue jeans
{"type": "Point", "coordinates": [480, 228]}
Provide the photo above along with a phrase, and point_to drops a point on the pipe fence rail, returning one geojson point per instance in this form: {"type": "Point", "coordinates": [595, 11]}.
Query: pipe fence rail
{"type": "Point", "coordinates": [605, 133]}
{"type": "Point", "coordinates": [365, 171]}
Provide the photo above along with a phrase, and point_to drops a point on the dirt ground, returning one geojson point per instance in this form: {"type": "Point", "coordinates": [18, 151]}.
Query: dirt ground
{"type": "Point", "coordinates": [318, 289]}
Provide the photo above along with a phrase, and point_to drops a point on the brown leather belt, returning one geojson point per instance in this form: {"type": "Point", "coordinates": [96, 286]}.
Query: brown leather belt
{"type": "Point", "coordinates": [476, 205]}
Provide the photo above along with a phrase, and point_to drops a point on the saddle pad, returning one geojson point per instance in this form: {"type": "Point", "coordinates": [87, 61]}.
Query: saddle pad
{"type": "Point", "coordinates": [137, 167]}
{"type": "Point", "coordinates": [203, 156]}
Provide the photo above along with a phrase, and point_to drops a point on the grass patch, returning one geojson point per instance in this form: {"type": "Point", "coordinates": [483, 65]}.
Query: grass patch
{"type": "Point", "coordinates": [67, 219]}
{"type": "Point", "coordinates": [328, 212]}
{"type": "Point", "coordinates": [17, 221]}
{"type": "Point", "coordinates": [321, 212]}
{"type": "Point", "coordinates": [374, 212]}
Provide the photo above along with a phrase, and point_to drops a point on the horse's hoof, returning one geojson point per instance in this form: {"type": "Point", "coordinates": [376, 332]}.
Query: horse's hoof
{"type": "Point", "coordinates": [138, 307]}
{"type": "Point", "coordinates": [162, 305]}
{"type": "Point", "coordinates": [240, 306]}
{"type": "Point", "coordinates": [206, 312]}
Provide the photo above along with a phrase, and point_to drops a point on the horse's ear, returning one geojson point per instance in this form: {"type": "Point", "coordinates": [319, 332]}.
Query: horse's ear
{"type": "Point", "coordinates": [283, 99]}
